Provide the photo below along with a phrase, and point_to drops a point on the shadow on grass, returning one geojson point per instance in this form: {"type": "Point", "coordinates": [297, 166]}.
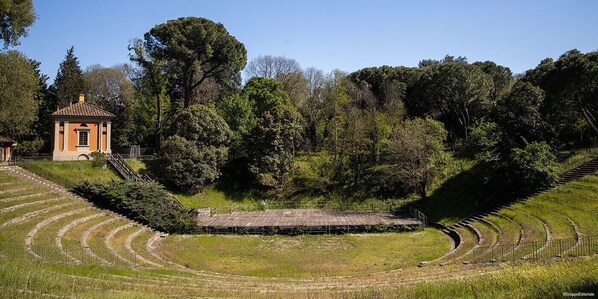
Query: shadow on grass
{"type": "Point", "coordinates": [459, 197]}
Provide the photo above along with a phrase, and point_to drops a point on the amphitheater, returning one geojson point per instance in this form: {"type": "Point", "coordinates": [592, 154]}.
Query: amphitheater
{"type": "Point", "coordinates": [103, 253]}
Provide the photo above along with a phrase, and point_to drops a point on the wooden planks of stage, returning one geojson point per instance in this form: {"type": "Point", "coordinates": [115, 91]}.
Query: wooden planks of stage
{"type": "Point", "coordinates": [297, 221]}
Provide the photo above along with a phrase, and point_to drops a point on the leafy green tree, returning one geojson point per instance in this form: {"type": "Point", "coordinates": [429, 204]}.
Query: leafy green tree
{"type": "Point", "coordinates": [533, 166]}
{"type": "Point", "coordinates": [193, 50]}
{"type": "Point", "coordinates": [484, 141]}
{"type": "Point", "coordinates": [456, 94]}
{"type": "Point", "coordinates": [447, 59]}
{"type": "Point", "coordinates": [268, 128]}
{"type": "Point", "coordinates": [311, 108]}
{"type": "Point", "coordinates": [238, 114]}
{"type": "Point", "coordinates": [519, 114]}
{"type": "Point", "coordinates": [416, 154]}
{"type": "Point", "coordinates": [273, 141]}
{"type": "Point", "coordinates": [111, 90]}
{"type": "Point", "coordinates": [29, 147]}
{"type": "Point", "coordinates": [184, 166]}
{"type": "Point", "coordinates": [202, 126]}
{"type": "Point", "coordinates": [108, 87]}
{"type": "Point", "coordinates": [15, 17]}
{"type": "Point", "coordinates": [198, 148]}
{"type": "Point", "coordinates": [264, 94]}
{"type": "Point", "coordinates": [502, 79]}
{"type": "Point", "coordinates": [285, 70]}
{"type": "Point", "coordinates": [570, 86]}
{"type": "Point", "coordinates": [69, 82]}
{"type": "Point", "coordinates": [18, 88]}
{"type": "Point", "coordinates": [151, 80]}
{"type": "Point", "coordinates": [46, 103]}
{"type": "Point", "coordinates": [336, 101]}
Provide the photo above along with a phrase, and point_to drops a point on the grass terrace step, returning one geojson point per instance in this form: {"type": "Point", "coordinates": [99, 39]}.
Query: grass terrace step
{"type": "Point", "coordinates": [138, 254]}
{"type": "Point", "coordinates": [14, 224]}
{"type": "Point", "coordinates": [559, 225]}
{"type": "Point", "coordinates": [16, 189]}
{"type": "Point", "coordinates": [96, 241]}
{"type": "Point", "coordinates": [534, 234]}
{"type": "Point", "coordinates": [115, 240]}
{"type": "Point", "coordinates": [86, 238]}
{"type": "Point", "coordinates": [66, 228]}
{"type": "Point", "coordinates": [40, 239]}
{"type": "Point", "coordinates": [16, 230]}
{"type": "Point", "coordinates": [489, 239]}
{"type": "Point", "coordinates": [467, 257]}
{"type": "Point", "coordinates": [23, 215]}
{"type": "Point", "coordinates": [12, 196]}
{"type": "Point", "coordinates": [468, 242]}
{"type": "Point", "coordinates": [71, 239]}
{"type": "Point", "coordinates": [585, 220]}
{"type": "Point", "coordinates": [34, 201]}
{"type": "Point", "coordinates": [510, 231]}
{"type": "Point", "coordinates": [140, 245]}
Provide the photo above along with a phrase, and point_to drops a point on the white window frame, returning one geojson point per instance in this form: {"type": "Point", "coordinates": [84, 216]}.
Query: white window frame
{"type": "Point", "coordinates": [79, 131]}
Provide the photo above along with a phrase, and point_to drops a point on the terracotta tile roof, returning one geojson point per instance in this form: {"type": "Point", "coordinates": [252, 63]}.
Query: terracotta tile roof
{"type": "Point", "coordinates": [82, 109]}
{"type": "Point", "coordinates": [6, 141]}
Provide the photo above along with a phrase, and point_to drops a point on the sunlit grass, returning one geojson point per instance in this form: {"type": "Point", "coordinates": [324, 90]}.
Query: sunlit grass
{"type": "Point", "coordinates": [308, 255]}
{"type": "Point", "coordinates": [68, 173]}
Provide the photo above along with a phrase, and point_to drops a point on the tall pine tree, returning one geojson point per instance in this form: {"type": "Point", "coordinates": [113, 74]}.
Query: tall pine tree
{"type": "Point", "coordinates": [69, 81]}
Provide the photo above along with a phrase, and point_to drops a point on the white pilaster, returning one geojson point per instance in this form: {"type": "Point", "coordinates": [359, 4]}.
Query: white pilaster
{"type": "Point", "coordinates": [65, 144]}
{"type": "Point", "coordinates": [108, 127]}
{"type": "Point", "coordinates": [56, 135]}
{"type": "Point", "coordinates": [100, 124]}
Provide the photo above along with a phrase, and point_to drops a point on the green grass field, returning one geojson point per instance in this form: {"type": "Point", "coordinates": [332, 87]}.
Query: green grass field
{"type": "Point", "coordinates": [306, 256]}
{"type": "Point", "coordinates": [68, 173]}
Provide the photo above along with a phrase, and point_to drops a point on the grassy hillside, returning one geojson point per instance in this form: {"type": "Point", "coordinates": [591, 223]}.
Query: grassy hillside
{"type": "Point", "coordinates": [68, 173]}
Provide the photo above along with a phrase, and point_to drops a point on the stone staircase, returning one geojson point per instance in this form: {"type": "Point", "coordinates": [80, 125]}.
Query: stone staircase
{"type": "Point", "coordinates": [123, 168]}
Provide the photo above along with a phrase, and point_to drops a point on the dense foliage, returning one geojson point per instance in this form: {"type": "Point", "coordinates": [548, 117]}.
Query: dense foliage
{"type": "Point", "coordinates": [415, 155]}
{"type": "Point", "coordinates": [146, 202]}
{"type": "Point", "coordinates": [69, 82]}
{"type": "Point", "coordinates": [18, 87]}
{"type": "Point", "coordinates": [197, 149]}
{"type": "Point", "coordinates": [195, 49]}
{"type": "Point", "coordinates": [15, 16]}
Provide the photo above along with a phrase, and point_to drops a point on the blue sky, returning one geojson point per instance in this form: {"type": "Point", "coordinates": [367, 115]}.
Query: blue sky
{"type": "Point", "coordinates": [326, 34]}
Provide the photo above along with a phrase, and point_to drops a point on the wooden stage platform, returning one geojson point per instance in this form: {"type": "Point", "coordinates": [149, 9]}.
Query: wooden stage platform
{"type": "Point", "coordinates": [298, 221]}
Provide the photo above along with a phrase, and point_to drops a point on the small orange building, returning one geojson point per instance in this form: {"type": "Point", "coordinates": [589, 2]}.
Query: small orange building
{"type": "Point", "coordinates": [79, 130]}
{"type": "Point", "coordinates": [7, 146]}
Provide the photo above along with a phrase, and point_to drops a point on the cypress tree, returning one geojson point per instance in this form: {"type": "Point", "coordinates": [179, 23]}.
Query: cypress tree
{"type": "Point", "coordinates": [69, 81]}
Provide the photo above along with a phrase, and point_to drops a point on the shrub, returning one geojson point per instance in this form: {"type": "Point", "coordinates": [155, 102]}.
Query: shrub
{"type": "Point", "coordinates": [98, 159]}
{"type": "Point", "coordinates": [533, 166]}
{"type": "Point", "coordinates": [145, 202]}
{"type": "Point", "coordinates": [195, 152]}
{"type": "Point", "coordinates": [185, 166]}
{"type": "Point", "coordinates": [29, 147]}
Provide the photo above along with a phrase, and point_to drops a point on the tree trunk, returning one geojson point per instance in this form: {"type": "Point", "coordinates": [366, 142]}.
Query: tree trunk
{"type": "Point", "coordinates": [158, 135]}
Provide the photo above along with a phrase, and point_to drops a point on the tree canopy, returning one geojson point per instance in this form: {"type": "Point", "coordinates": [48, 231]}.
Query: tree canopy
{"type": "Point", "coordinates": [18, 88]}
{"type": "Point", "coordinates": [196, 150]}
{"type": "Point", "coordinates": [195, 49]}
{"type": "Point", "coordinates": [15, 17]}
{"type": "Point", "coordinates": [69, 82]}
